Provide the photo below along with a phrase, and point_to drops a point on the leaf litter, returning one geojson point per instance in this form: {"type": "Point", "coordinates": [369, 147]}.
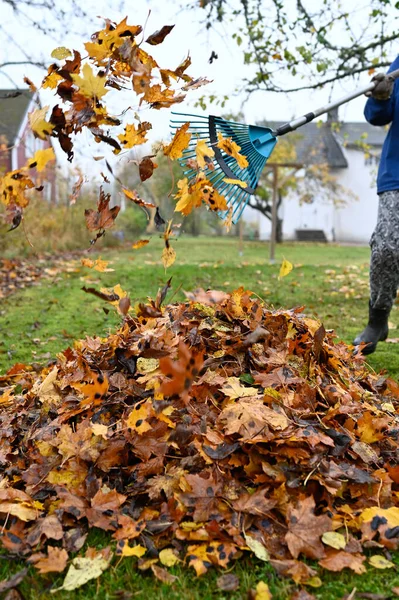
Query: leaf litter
{"type": "Point", "coordinates": [196, 433]}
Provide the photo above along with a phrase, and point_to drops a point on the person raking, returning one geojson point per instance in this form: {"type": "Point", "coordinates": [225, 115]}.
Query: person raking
{"type": "Point", "coordinates": [382, 108]}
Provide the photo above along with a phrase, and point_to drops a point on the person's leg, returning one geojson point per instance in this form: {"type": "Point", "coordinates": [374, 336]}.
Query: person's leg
{"type": "Point", "coordinates": [384, 271]}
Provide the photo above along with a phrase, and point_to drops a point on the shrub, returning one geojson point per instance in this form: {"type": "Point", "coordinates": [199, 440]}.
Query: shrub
{"type": "Point", "coordinates": [60, 228]}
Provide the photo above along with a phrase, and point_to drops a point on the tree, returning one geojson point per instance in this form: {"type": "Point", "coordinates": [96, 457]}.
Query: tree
{"type": "Point", "coordinates": [294, 45]}
{"type": "Point", "coordinates": [48, 17]}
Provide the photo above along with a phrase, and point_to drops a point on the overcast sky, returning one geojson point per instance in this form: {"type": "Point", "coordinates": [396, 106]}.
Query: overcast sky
{"type": "Point", "coordinates": [187, 37]}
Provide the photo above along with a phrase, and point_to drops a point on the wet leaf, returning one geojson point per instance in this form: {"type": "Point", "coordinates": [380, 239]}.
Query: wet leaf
{"type": "Point", "coordinates": [82, 570]}
{"type": "Point", "coordinates": [380, 562]}
{"type": "Point", "coordinates": [257, 548]}
{"type": "Point", "coordinates": [334, 539]}
{"type": "Point", "coordinates": [228, 582]}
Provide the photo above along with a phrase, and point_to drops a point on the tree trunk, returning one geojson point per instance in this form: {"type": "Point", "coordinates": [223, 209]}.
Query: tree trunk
{"type": "Point", "coordinates": [279, 232]}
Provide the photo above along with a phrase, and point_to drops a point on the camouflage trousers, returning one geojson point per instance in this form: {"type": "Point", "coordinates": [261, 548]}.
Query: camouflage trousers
{"type": "Point", "coordinates": [384, 244]}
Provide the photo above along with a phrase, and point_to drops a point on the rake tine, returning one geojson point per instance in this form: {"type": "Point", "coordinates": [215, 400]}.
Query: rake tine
{"type": "Point", "coordinates": [256, 144]}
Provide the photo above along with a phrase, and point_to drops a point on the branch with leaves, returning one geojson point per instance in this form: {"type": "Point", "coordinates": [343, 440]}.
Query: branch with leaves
{"type": "Point", "coordinates": [290, 47]}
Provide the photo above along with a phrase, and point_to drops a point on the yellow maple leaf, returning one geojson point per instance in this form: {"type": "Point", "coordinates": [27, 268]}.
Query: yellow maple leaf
{"type": "Point", "coordinates": [90, 85]}
{"type": "Point", "coordinates": [188, 198]}
{"type": "Point", "coordinates": [286, 267]}
{"type": "Point", "coordinates": [13, 186]}
{"type": "Point", "coordinates": [234, 389]}
{"type": "Point", "coordinates": [133, 136]}
{"type": "Point", "coordinates": [159, 98]}
{"type": "Point", "coordinates": [137, 419]}
{"type": "Point", "coordinates": [37, 120]}
{"type": "Point", "coordinates": [203, 153]}
{"type": "Point", "coordinates": [390, 514]}
{"type": "Point", "coordinates": [180, 141]}
{"type": "Point", "coordinates": [212, 198]}
{"type": "Point", "coordinates": [41, 158]}
{"type": "Point", "coordinates": [51, 80]}
{"type": "Point", "coordinates": [98, 264]}
{"type": "Point", "coordinates": [168, 257]}
{"type": "Point", "coordinates": [232, 149]}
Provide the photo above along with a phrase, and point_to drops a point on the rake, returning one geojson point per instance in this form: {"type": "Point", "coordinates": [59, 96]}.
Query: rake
{"type": "Point", "coordinates": [256, 144]}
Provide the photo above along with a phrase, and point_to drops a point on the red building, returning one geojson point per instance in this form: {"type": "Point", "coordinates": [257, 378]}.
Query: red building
{"type": "Point", "coordinates": [17, 142]}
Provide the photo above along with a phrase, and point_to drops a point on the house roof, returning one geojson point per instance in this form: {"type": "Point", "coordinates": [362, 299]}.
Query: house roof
{"type": "Point", "coordinates": [353, 132]}
{"type": "Point", "coordinates": [317, 144]}
{"type": "Point", "coordinates": [13, 106]}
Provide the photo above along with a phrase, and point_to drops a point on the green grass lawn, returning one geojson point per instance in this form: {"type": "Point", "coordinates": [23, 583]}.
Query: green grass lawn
{"type": "Point", "coordinates": [331, 282]}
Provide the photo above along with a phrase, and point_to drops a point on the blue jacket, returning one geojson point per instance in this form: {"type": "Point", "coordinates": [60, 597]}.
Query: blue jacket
{"type": "Point", "coordinates": [383, 112]}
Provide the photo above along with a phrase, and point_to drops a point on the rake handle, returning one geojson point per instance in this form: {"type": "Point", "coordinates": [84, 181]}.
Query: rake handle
{"type": "Point", "coordinates": [299, 121]}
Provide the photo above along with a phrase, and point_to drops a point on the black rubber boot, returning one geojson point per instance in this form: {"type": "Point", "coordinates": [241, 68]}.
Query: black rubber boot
{"type": "Point", "coordinates": [376, 330]}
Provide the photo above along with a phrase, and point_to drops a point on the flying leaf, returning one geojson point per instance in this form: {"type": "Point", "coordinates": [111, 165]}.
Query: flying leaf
{"type": "Point", "coordinates": [139, 244]}
{"type": "Point", "coordinates": [37, 121]}
{"type": "Point", "coordinates": [196, 83]}
{"type": "Point", "coordinates": [137, 419]}
{"type": "Point", "coordinates": [168, 253]}
{"type": "Point", "coordinates": [146, 168]}
{"type": "Point", "coordinates": [232, 149]}
{"type": "Point", "coordinates": [77, 186]}
{"type": "Point", "coordinates": [286, 267]}
{"type": "Point", "coordinates": [132, 195]}
{"type": "Point", "coordinates": [236, 182]}
{"type": "Point", "coordinates": [187, 198]}
{"type": "Point", "coordinates": [97, 265]}
{"type": "Point", "coordinates": [180, 141]}
{"type": "Point", "coordinates": [168, 257]}
{"type": "Point", "coordinates": [204, 154]}
{"type": "Point", "coordinates": [90, 85]}
{"type": "Point", "coordinates": [60, 53]}
{"type": "Point", "coordinates": [181, 372]}
{"type": "Point", "coordinates": [159, 36]}
{"type": "Point", "coordinates": [133, 136]}
{"type": "Point", "coordinates": [104, 217]}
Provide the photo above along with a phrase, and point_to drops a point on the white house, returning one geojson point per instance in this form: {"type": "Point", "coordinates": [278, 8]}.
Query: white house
{"type": "Point", "coordinates": [354, 170]}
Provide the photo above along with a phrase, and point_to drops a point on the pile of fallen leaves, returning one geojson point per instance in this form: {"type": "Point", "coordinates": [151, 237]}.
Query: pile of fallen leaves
{"type": "Point", "coordinates": [16, 274]}
{"type": "Point", "coordinates": [196, 433]}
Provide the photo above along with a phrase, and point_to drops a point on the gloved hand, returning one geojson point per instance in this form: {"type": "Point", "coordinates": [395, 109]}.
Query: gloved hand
{"type": "Point", "coordinates": [383, 88]}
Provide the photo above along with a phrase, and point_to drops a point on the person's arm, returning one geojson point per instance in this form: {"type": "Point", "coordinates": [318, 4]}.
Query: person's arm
{"type": "Point", "coordinates": [381, 112]}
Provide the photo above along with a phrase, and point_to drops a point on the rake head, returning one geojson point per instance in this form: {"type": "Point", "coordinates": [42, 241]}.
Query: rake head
{"type": "Point", "coordinates": [256, 144]}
